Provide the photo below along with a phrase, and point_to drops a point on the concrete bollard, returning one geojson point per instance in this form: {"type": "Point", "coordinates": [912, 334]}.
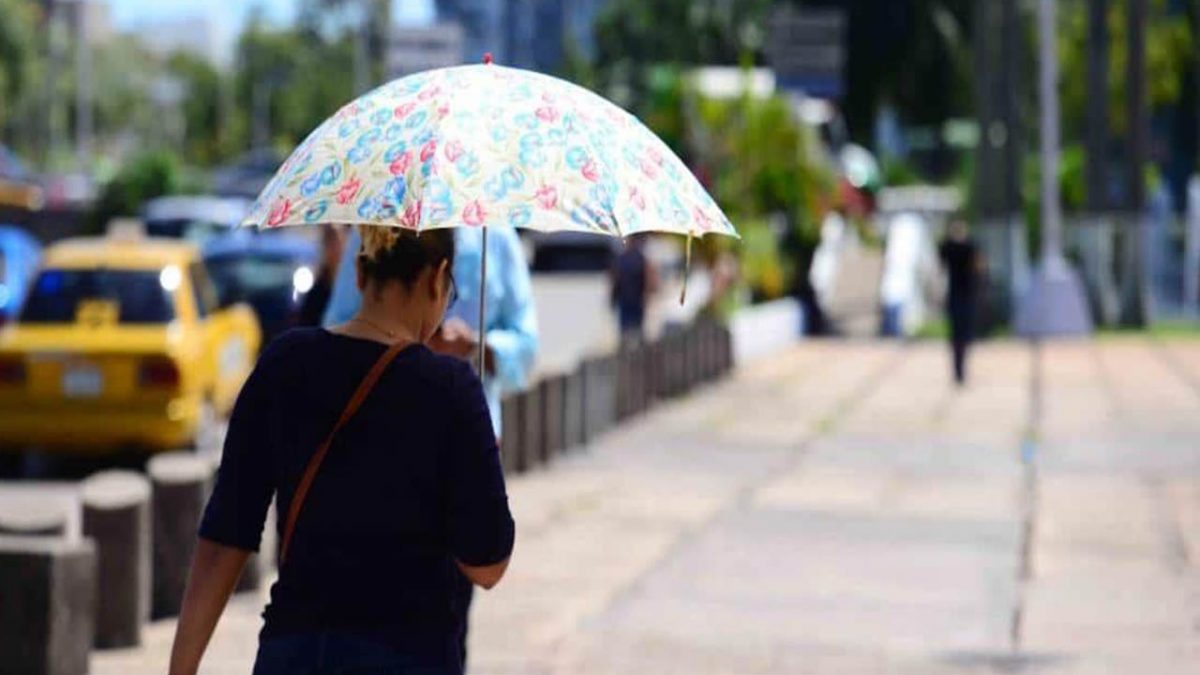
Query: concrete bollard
{"type": "Point", "coordinates": [573, 434]}
{"type": "Point", "coordinates": [691, 353]}
{"type": "Point", "coordinates": [116, 516]}
{"type": "Point", "coordinates": [531, 428]}
{"type": "Point", "coordinates": [603, 393]}
{"type": "Point", "coordinates": [510, 434]}
{"type": "Point", "coordinates": [47, 605]}
{"type": "Point", "coordinates": [30, 517]}
{"type": "Point", "coordinates": [708, 350]}
{"type": "Point", "coordinates": [552, 416]}
{"type": "Point", "coordinates": [180, 485]}
{"type": "Point", "coordinates": [593, 392]}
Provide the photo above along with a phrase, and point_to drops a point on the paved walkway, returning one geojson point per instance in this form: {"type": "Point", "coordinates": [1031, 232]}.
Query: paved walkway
{"type": "Point", "coordinates": [843, 510]}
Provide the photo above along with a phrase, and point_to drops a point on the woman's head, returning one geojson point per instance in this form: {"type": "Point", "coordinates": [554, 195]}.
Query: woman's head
{"type": "Point", "coordinates": [408, 273]}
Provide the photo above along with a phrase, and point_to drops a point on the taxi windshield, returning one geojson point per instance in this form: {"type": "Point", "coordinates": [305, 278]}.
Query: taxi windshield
{"type": "Point", "coordinates": [140, 296]}
{"type": "Point", "coordinates": [241, 277]}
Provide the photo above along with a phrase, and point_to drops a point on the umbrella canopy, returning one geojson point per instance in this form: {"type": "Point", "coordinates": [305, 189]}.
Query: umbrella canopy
{"type": "Point", "coordinates": [483, 145]}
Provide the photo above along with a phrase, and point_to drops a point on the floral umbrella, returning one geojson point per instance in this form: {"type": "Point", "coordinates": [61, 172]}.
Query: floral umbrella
{"type": "Point", "coordinates": [482, 145]}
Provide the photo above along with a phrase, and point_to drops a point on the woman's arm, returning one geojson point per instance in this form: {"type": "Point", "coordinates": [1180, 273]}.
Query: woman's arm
{"type": "Point", "coordinates": [215, 571]}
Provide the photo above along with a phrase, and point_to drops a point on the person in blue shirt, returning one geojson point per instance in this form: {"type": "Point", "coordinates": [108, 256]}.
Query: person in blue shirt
{"type": "Point", "coordinates": [510, 336]}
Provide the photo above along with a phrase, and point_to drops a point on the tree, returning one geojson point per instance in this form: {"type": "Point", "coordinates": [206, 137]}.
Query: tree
{"type": "Point", "coordinates": [18, 55]}
{"type": "Point", "coordinates": [201, 105]}
{"type": "Point", "coordinates": [1169, 56]}
{"type": "Point", "coordinates": [291, 80]}
{"type": "Point", "coordinates": [633, 36]}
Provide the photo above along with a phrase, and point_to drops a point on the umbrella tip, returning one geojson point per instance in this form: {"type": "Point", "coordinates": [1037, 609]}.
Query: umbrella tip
{"type": "Point", "coordinates": [487, 58]}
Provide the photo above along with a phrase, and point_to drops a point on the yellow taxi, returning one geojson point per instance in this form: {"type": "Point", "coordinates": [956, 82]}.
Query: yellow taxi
{"type": "Point", "coordinates": [120, 345]}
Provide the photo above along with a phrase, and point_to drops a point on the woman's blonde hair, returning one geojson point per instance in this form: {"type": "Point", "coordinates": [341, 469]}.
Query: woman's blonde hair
{"type": "Point", "coordinates": [393, 253]}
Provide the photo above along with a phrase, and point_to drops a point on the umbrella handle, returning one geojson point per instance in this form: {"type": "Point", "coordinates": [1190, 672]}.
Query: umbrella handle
{"type": "Point", "coordinates": [687, 270]}
{"type": "Point", "coordinates": [483, 304]}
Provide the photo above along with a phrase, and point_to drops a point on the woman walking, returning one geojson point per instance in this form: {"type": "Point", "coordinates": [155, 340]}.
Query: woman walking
{"type": "Point", "coordinates": [382, 456]}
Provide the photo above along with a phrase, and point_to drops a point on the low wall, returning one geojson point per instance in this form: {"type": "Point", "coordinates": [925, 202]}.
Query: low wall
{"type": "Point", "coordinates": [762, 330]}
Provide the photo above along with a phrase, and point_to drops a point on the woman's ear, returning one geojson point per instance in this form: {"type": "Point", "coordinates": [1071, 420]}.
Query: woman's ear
{"type": "Point", "coordinates": [439, 280]}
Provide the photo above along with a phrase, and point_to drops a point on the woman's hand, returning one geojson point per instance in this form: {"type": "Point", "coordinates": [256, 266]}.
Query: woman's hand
{"type": "Point", "coordinates": [456, 338]}
{"type": "Point", "coordinates": [214, 574]}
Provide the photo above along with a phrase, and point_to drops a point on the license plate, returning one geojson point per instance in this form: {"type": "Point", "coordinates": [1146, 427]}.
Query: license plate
{"type": "Point", "coordinates": [82, 382]}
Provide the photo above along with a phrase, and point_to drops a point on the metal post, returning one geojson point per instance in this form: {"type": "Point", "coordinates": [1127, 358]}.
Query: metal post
{"type": "Point", "coordinates": [1048, 93]}
{"type": "Point", "coordinates": [483, 303]}
{"type": "Point", "coordinates": [83, 86]}
{"type": "Point", "coordinates": [1054, 304]}
{"type": "Point", "coordinates": [1136, 303]}
{"type": "Point", "coordinates": [1097, 113]}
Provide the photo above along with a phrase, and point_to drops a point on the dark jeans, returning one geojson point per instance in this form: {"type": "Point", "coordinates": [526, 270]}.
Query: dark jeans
{"type": "Point", "coordinates": [331, 653]}
{"type": "Point", "coordinates": [962, 331]}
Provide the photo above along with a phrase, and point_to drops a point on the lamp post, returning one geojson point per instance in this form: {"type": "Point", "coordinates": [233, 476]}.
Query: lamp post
{"type": "Point", "coordinates": [1054, 305]}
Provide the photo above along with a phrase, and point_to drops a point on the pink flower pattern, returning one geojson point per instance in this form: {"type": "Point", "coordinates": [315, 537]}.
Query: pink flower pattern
{"type": "Point", "coordinates": [474, 214]}
{"type": "Point", "coordinates": [515, 146]}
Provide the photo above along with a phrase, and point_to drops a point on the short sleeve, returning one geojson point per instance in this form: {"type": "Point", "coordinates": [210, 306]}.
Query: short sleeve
{"type": "Point", "coordinates": [237, 508]}
{"type": "Point", "coordinates": [479, 526]}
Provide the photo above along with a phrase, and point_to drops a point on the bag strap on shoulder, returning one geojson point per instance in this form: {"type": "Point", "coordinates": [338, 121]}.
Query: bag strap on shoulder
{"type": "Point", "coordinates": [314, 462]}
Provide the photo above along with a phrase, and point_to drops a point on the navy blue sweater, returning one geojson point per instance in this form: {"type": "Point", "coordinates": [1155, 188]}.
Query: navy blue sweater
{"type": "Point", "coordinates": [412, 483]}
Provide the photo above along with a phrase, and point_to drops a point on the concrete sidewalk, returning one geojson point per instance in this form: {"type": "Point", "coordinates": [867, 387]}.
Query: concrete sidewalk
{"type": "Point", "coordinates": [842, 509]}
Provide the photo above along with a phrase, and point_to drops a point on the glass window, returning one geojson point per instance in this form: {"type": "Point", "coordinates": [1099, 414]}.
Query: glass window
{"type": "Point", "coordinates": [243, 278]}
{"type": "Point", "coordinates": [203, 290]}
{"type": "Point", "coordinates": [140, 296]}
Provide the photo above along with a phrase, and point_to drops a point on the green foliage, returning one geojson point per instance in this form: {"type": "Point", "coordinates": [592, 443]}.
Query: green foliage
{"type": "Point", "coordinates": [634, 36]}
{"type": "Point", "coordinates": [149, 175]}
{"type": "Point", "coordinates": [18, 53]}
{"type": "Point", "coordinates": [897, 173]}
{"type": "Point", "coordinates": [1169, 52]}
{"type": "Point", "coordinates": [201, 106]}
{"type": "Point", "coordinates": [764, 165]}
{"type": "Point", "coordinates": [763, 266]}
{"type": "Point", "coordinates": [304, 78]}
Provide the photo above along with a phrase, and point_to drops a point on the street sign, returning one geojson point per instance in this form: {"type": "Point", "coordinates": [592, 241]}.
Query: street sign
{"type": "Point", "coordinates": [806, 48]}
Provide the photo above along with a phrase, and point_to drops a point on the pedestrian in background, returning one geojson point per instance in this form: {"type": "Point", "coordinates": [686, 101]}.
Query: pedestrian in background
{"type": "Point", "coordinates": [634, 281]}
{"type": "Point", "coordinates": [333, 243]}
{"type": "Point", "coordinates": [407, 508]}
{"type": "Point", "coordinates": [960, 257]}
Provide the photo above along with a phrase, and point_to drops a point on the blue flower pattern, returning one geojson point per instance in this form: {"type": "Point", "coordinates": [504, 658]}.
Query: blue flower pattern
{"type": "Point", "coordinates": [532, 150]}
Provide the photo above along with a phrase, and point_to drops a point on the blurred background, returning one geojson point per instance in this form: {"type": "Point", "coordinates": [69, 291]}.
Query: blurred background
{"type": "Point", "coordinates": [789, 111]}
{"type": "Point", "coordinates": [841, 137]}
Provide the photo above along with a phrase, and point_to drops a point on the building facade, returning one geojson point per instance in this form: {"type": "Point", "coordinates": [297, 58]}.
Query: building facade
{"type": "Point", "coordinates": [532, 34]}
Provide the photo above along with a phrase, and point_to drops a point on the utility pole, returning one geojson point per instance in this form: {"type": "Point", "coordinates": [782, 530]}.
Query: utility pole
{"type": "Point", "coordinates": [1054, 305]}
{"type": "Point", "coordinates": [83, 87]}
{"type": "Point", "coordinates": [49, 129]}
{"type": "Point", "coordinates": [1135, 309]}
{"type": "Point", "coordinates": [1097, 112]}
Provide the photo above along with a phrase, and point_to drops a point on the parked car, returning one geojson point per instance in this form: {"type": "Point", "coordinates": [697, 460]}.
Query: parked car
{"type": "Point", "coordinates": [19, 188]}
{"type": "Point", "coordinates": [572, 251]}
{"type": "Point", "coordinates": [271, 273]}
{"type": "Point", "coordinates": [247, 175]}
{"type": "Point", "coordinates": [196, 218]}
{"type": "Point", "coordinates": [19, 256]}
{"type": "Point", "coordinates": [121, 344]}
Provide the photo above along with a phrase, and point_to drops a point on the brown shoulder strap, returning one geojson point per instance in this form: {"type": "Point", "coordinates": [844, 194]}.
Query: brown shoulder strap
{"type": "Point", "coordinates": [314, 463]}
